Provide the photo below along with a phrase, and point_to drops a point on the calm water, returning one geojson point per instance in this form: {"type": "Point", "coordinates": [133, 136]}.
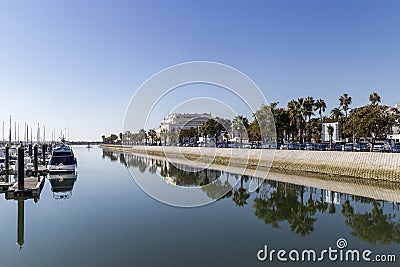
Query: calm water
{"type": "Point", "coordinates": [107, 220]}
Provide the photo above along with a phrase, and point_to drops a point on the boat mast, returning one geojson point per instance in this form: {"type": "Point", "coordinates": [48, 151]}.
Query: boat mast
{"type": "Point", "coordinates": [9, 136]}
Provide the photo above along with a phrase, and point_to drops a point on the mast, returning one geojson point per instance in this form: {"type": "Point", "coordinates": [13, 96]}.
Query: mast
{"type": "Point", "coordinates": [38, 134]}
{"type": "Point", "coordinates": [9, 136]}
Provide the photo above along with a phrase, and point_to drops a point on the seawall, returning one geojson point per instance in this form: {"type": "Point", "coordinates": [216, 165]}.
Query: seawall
{"type": "Point", "coordinates": [368, 165]}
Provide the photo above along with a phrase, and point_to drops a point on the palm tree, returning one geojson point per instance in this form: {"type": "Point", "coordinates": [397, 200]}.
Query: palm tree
{"type": "Point", "coordinates": [241, 124]}
{"type": "Point", "coordinates": [296, 114]}
{"type": "Point", "coordinates": [309, 104]}
{"type": "Point", "coordinates": [374, 98]}
{"type": "Point", "coordinates": [330, 133]}
{"type": "Point", "coordinates": [152, 134]}
{"type": "Point", "coordinates": [320, 105]}
{"type": "Point", "coordinates": [336, 114]}
{"type": "Point", "coordinates": [345, 101]}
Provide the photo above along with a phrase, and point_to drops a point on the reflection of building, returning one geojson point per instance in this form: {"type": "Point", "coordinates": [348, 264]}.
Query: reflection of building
{"type": "Point", "coordinates": [325, 134]}
{"type": "Point", "coordinates": [331, 197]}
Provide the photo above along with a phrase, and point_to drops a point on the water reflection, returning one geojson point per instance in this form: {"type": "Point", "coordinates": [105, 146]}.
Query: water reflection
{"type": "Point", "coordinates": [62, 184]}
{"type": "Point", "coordinates": [20, 220]}
{"type": "Point", "coordinates": [281, 204]}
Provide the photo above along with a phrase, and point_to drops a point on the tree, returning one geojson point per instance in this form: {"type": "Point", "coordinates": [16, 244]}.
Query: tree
{"type": "Point", "coordinates": [374, 98]}
{"type": "Point", "coordinates": [190, 133]}
{"type": "Point", "coordinates": [142, 136]}
{"type": "Point", "coordinates": [103, 137]}
{"type": "Point", "coordinates": [265, 125]}
{"type": "Point", "coordinates": [370, 121]}
{"type": "Point", "coordinates": [296, 115]}
{"type": "Point", "coordinates": [309, 104]}
{"type": "Point", "coordinates": [336, 114]}
{"type": "Point", "coordinates": [254, 131]}
{"type": "Point", "coordinates": [345, 101]}
{"type": "Point", "coordinates": [240, 124]}
{"type": "Point", "coordinates": [330, 133]}
{"type": "Point", "coordinates": [164, 135]}
{"type": "Point", "coordinates": [282, 123]}
{"type": "Point", "coordinates": [320, 105]}
{"type": "Point", "coordinates": [152, 134]}
{"type": "Point", "coordinates": [113, 138]}
{"type": "Point", "coordinates": [211, 128]}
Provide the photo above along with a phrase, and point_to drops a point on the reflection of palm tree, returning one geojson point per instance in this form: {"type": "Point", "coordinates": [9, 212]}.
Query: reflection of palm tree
{"type": "Point", "coordinates": [332, 209]}
{"type": "Point", "coordinates": [276, 208]}
{"type": "Point", "coordinates": [217, 189]}
{"type": "Point", "coordinates": [240, 196]}
{"type": "Point", "coordinates": [301, 222]}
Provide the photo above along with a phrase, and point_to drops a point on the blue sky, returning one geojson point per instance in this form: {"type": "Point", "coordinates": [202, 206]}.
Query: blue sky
{"type": "Point", "coordinates": [78, 63]}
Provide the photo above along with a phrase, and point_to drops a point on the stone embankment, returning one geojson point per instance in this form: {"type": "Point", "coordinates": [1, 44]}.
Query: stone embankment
{"type": "Point", "coordinates": [368, 165]}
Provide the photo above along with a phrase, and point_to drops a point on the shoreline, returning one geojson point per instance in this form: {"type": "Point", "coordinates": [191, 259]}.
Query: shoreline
{"type": "Point", "coordinates": [359, 165]}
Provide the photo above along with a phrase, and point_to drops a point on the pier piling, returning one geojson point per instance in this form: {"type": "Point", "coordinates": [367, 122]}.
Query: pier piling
{"type": "Point", "coordinates": [35, 158]}
{"type": "Point", "coordinates": [21, 163]}
{"type": "Point", "coordinates": [30, 150]}
{"type": "Point", "coordinates": [44, 147]}
{"type": "Point", "coordinates": [7, 163]}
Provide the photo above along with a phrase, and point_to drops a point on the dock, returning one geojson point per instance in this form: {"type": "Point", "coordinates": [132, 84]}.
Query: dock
{"type": "Point", "coordinates": [32, 188]}
{"type": "Point", "coordinates": [4, 186]}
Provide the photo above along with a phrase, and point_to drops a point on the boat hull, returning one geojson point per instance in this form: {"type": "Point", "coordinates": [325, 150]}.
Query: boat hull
{"type": "Point", "coordinates": [61, 168]}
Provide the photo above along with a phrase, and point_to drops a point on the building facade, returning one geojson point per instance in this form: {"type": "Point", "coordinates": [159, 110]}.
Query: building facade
{"type": "Point", "coordinates": [173, 123]}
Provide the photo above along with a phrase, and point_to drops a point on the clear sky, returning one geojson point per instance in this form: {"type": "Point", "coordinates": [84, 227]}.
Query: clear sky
{"type": "Point", "coordinates": [77, 64]}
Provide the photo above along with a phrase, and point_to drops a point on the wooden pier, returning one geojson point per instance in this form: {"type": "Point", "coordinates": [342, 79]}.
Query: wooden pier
{"type": "Point", "coordinates": [4, 186]}
{"type": "Point", "coordinates": [32, 188]}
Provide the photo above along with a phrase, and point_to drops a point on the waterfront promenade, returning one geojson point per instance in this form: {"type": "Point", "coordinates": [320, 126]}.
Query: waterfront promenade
{"type": "Point", "coordinates": [367, 165]}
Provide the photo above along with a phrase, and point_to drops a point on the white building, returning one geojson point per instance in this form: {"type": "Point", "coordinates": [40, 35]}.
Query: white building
{"type": "Point", "coordinates": [173, 123]}
{"type": "Point", "coordinates": [177, 121]}
{"type": "Point", "coordinates": [395, 136]}
{"type": "Point", "coordinates": [325, 134]}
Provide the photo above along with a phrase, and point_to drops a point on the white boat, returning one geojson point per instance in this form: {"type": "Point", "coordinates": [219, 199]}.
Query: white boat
{"type": "Point", "coordinates": [62, 159]}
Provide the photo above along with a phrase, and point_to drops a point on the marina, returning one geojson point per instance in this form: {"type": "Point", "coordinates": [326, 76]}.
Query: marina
{"type": "Point", "coordinates": [103, 227]}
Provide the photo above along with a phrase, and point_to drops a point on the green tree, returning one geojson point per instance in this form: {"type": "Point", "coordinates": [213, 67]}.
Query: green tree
{"type": "Point", "coordinates": [296, 114]}
{"type": "Point", "coordinates": [211, 128]}
{"type": "Point", "coordinates": [369, 121]}
{"type": "Point", "coordinates": [190, 133]}
{"type": "Point", "coordinates": [345, 101]}
{"type": "Point", "coordinates": [240, 124]}
{"type": "Point", "coordinates": [330, 133]}
{"type": "Point", "coordinates": [152, 134]}
{"type": "Point", "coordinates": [374, 98]}
{"type": "Point", "coordinates": [320, 105]}
{"type": "Point", "coordinates": [336, 114]}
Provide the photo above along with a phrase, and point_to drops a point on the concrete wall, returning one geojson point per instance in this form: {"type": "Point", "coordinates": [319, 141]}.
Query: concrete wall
{"type": "Point", "coordinates": [369, 165]}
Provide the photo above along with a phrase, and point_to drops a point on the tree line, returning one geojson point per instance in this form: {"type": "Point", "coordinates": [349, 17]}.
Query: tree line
{"type": "Point", "coordinates": [300, 121]}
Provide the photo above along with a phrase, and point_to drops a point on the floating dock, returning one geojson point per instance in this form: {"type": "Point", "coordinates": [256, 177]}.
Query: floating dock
{"type": "Point", "coordinates": [32, 188]}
